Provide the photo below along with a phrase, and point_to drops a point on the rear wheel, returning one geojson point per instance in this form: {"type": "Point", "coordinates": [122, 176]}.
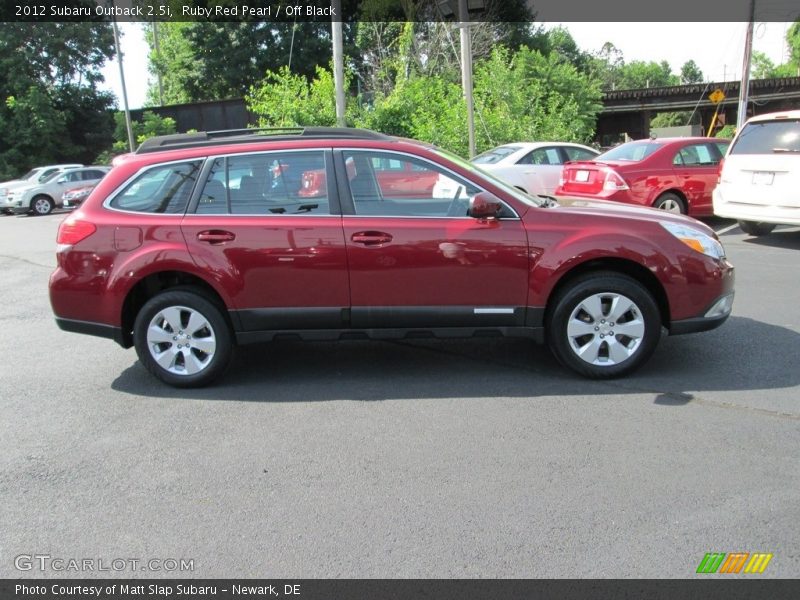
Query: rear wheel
{"type": "Point", "coordinates": [42, 205]}
{"type": "Point", "coordinates": [756, 228]}
{"type": "Point", "coordinates": [671, 203]}
{"type": "Point", "coordinates": [603, 325]}
{"type": "Point", "coordinates": [182, 338]}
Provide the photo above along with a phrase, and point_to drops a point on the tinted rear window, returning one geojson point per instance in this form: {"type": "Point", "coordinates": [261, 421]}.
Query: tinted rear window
{"type": "Point", "coordinates": [768, 137]}
{"type": "Point", "coordinates": [632, 151]}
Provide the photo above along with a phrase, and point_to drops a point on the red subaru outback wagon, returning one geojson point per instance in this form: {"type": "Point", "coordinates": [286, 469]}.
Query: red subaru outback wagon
{"type": "Point", "coordinates": [198, 242]}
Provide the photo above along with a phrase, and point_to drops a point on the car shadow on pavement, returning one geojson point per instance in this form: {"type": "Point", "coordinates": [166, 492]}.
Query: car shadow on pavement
{"type": "Point", "coordinates": [789, 239]}
{"type": "Point", "coordinates": [743, 354]}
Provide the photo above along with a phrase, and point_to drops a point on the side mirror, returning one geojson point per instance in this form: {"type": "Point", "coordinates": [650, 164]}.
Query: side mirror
{"type": "Point", "coordinates": [484, 205]}
{"type": "Point", "coordinates": [61, 180]}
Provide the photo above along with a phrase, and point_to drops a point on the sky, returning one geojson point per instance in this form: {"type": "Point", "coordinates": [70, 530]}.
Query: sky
{"type": "Point", "coordinates": [717, 48]}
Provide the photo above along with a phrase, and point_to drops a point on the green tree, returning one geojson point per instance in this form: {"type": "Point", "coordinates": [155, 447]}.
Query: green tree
{"type": "Point", "coordinates": [151, 125]}
{"type": "Point", "coordinates": [216, 60]}
{"type": "Point", "coordinates": [641, 74]}
{"type": "Point", "coordinates": [285, 99]}
{"type": "Point", "coordinates": [50, 107]}
{"type": "Point", "coordinates": [691, 73]}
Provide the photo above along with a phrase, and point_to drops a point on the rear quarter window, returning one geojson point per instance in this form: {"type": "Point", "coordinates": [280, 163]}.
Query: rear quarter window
{"type": "Point", "coordinates": [768, 137]}
{"type": "Point", "coordinates": [160, 189]}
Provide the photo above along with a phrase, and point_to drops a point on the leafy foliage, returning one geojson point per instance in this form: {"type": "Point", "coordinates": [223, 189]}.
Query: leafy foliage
{"type": "Point", "coordinates": [49, 104]}
{"type": "Point", "coordinates": [691, 73]}
{"type": "Point", "coordinates": [151, 125]}
{"type": "Point", "coordinates": [520, 95]}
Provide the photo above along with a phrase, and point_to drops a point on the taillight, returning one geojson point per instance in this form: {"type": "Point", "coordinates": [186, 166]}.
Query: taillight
{"type": "Point", "coordinates": [614, 181]}
{"type": "Point", "coordinates": [71, 231]}
{"type": "Point", "coordinates": [719, 172]}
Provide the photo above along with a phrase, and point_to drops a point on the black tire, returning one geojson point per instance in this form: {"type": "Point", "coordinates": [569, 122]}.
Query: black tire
{"type": "Point", "coordinates": [756, 228]}
{"type": "Point", "coordinates": [642, 321]}
{"type": "Point", "coordinates": [670, 202]}
{"type": "Point", "coordinates": [42, 205]}
{"type": "Point", "coordinates": [216, 332]}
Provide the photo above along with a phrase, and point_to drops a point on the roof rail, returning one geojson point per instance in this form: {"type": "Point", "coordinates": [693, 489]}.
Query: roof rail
{"type": "Point", "coordinates": [243, 136]}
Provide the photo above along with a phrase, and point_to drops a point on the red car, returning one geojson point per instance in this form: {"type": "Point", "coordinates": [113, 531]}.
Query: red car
{"type": "Point", "coordinates": [674, 174]}
{"type": "Point", "coordinates": [396, 179]}
{"type": "Point", "coordinates": [196, 243]}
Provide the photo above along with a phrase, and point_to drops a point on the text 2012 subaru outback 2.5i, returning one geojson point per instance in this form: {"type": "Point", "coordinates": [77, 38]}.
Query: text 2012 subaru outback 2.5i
{"type": "Point", "coordinates": [201, 241]}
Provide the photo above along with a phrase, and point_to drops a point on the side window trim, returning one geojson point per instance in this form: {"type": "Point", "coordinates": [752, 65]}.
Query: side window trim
{"type": "Point", "coordinates": [346, 200]}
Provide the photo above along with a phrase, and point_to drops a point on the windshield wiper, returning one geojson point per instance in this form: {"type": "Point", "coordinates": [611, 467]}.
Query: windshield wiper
{"type": "Point", "coordinates": [786, 149]}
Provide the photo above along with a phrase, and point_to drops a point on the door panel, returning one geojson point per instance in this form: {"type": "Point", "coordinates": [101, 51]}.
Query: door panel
{"type": "Point", "coordinates": [421, 262]}
{"type": "Point", "coordinates": [283, 263]}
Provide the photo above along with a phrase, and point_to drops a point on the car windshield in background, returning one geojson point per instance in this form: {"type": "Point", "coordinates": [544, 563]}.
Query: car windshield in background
{"type": "Point", "coordinates": [768, 137]}
{"type": "Point", "coordinates": [495, 155]}
{"type": "Point", "coordinates": [29, 174]}
{"type": "Point", "coordinates": [632, 151]}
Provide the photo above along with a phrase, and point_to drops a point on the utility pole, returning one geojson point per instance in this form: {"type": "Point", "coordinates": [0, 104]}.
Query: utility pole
{"type": "Point", "coordinates": [158, 68]}
{"type": "Point", "coordinates": [338, 62]}
{"type": "Point", "coordinates": [131, 141]}
{"type": "Point", "coordinates": [744, 86]}
{"type": "Point", "coordinates": [466, 71]}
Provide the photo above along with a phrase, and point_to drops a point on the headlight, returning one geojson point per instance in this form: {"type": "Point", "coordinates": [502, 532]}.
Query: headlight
{"type": "Point", "coordinates": [696, 239]}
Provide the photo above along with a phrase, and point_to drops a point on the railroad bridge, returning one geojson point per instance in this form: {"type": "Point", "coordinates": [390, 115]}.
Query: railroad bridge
{"type": "Point", "coordinates": [629, 111]}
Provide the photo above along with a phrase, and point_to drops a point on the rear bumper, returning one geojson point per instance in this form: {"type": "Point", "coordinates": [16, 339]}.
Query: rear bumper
{"type": "Point", "coordinates": [89, 328]}
{"type": "Point", "coordinates": [758, 213]}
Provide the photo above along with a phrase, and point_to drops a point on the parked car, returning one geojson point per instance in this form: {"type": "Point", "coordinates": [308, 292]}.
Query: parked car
{"type": "Point", "coordinates": [673, 174]}
{"type": "Point", "coordinates": [533, 167]}
{"type": "Point", "coordinates": [167, 256]}
{"type": "Point", "coordinates": [760, 178]}
{"type": "Point", "coordinates": [395, 179]}
{"type": "Point", "coordinates": [42, 197]}
{"type": "Point", "coordinates": [37, 175]}
{"type": "Point", "coordinates": [74, 196]}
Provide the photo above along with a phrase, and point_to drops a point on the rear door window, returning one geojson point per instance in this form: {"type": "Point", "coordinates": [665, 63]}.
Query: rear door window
{"type": "Point", "coordinates": [269, 183]}
{"type": "Point", "coordinates": [769, 137]}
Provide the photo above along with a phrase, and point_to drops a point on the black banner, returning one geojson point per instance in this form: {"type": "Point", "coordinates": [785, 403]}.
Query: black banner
{"type": "Point", "coordinates": [288, 11]}
{"type": "Point", "coordinates": [397, 589]}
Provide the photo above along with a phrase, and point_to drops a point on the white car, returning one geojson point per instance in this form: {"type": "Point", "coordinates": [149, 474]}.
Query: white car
{"type": "Point", "coordinates": [41, 198]}
{"type": "Point", "coordinates": [36, 175]}
{"type": "Point", "coordinates": [533, 167]}
{"type": "Point", "coordinates": [759, 184]}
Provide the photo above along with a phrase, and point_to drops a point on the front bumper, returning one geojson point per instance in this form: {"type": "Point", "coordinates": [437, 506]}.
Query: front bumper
{"type": "Point", "coordinates": [713, 317]}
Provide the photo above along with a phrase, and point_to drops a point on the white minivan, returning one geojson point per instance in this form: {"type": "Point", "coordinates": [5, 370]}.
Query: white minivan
{"type": "Point", "coordinates": [759, 182]}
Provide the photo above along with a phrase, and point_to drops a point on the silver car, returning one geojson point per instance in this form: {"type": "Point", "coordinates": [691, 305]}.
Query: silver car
{"type": "Point", "coordinates": [35, 175]}
{"type": "Point", "coordinates": [41, 198]}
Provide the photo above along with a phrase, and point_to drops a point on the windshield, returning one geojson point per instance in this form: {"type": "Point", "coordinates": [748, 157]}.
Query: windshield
{"type": "Point", "coordinates": [495, 155]}
{"type": "Point", "coordinates": [768, 137]}
{"type": "Point", "coordinates": [512, 191]}
{"type": "Point", "coordinates": [30, 174]}
{"type": "Point", "coordinates": [632, 151]}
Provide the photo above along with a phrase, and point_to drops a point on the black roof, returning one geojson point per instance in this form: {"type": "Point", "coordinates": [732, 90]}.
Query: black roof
{"type": "Point", "coordinates": [244, 136]}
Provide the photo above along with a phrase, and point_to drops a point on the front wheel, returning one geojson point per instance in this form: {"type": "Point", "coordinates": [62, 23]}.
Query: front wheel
{"type": "Point", "coordinates": [756, 228]}
{"type": "Point", "coordinates": [42, 205]}
{"type": "Point", "coordinates": [182, 339]}
{"type": "Point", "coordinates": [603, 325]}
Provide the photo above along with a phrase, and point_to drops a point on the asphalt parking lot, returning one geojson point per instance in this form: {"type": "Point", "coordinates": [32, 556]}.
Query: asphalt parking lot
{"type": "Point", "coordinates": [477, 458]}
